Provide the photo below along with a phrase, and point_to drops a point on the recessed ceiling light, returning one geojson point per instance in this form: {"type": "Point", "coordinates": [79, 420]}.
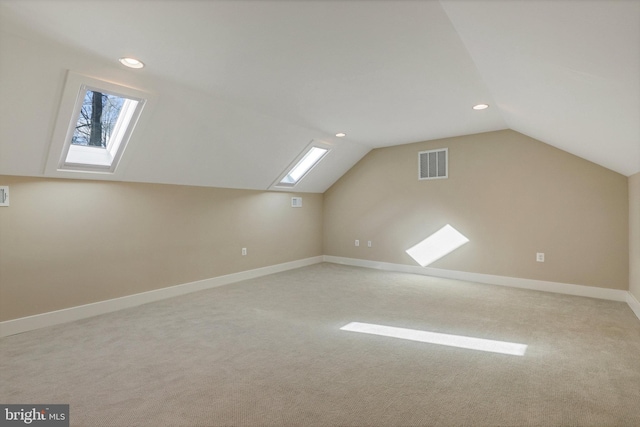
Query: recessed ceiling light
{"type": "Point", "coordinates": [480, 106]}
{"type": "Point", "coordinates": [341, 134]}
{"type": "Point", "coordinates": [131, 62]}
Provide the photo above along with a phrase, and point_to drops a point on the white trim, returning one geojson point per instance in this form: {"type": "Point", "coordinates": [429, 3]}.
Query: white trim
{"type": "Point", "coordinates": [633, 304]}
{"type": "Point", "coordinates": [24, 324]}
{"type": "Point", "coordinates": [514, 282]}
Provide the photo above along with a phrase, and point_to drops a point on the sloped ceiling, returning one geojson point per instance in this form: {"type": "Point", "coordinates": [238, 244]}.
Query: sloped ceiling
{"type": "Point", "coordinates": [242, 87]}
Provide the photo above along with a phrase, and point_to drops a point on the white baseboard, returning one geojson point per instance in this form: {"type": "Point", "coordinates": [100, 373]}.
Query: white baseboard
{"type": "Point", "coordinates": [634, 304]}
{"type": "Point", "coordinates": [538, 285]}
{"type": "Point", "coordinates": [24, 324]}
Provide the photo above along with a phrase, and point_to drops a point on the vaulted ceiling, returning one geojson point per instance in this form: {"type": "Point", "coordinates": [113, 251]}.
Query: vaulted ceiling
{"type": "Point", "coordinates": [240, 88]}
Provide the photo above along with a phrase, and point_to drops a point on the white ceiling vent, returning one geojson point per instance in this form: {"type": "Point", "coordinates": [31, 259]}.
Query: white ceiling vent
{"type": "Point", "coordinates": [433, 164]}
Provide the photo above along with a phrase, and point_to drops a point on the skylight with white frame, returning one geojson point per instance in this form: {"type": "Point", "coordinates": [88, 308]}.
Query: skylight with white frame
{"type": "Point", "coordinates": [95, 123]}
{"type": "Point", "coordinates": [302, 166]}
{"type": "Point", "coordinates": [102, 128]}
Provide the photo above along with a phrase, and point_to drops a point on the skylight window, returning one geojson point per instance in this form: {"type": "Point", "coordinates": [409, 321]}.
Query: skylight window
{"type": "Point", "coordinates": [98, 117]}
{"type": "Point", "coordinates": [102, 125]}
{"type": "Point", "coordinates": [303, 166]}
{"type": "Point", "coordinates": [95, 123]}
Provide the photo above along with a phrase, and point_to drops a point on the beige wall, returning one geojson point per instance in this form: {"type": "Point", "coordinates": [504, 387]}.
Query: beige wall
{"type": "Point", "coordinates": [634, 235]}
{"type": "Point", "coordinates": [65, 243]}
{"type": "Point", "coordinates": [510, 195]}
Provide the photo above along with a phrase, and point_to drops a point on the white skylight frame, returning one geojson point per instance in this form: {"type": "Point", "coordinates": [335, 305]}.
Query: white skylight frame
{"type": "Point", "coordinates": [76, 157]}
{"type": "Point", "coordinates": [66, 158]}
{"type": "Point", "coordinates": [312, 155]}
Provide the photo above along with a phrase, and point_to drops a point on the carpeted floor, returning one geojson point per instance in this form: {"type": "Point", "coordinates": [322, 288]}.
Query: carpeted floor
{"type": "Point", "coordinates": [270, 352]}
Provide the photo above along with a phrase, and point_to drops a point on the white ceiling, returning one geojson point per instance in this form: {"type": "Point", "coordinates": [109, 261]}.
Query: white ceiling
{"type": "Point", "coordinates": [242, 87]}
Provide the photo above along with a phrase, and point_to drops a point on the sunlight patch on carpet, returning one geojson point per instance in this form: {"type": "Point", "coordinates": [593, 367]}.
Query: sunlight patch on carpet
{"type": "Point", "coordinates": [459, 341]}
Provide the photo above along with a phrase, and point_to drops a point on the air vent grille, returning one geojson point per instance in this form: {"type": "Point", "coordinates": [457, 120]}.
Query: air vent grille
{"type": "Point", "coordinates": [4, 195]}
{"type": "Point", "coordinates": [433, 164]}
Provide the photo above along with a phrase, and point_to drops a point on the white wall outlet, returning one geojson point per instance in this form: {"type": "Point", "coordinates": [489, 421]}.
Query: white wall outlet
{"type": "Point", "coordinates": [4, 195]}
{"type": "Point", "coordinates": [357, 242]}
{"type": "Point", "coordinates": [540, 256]}
{"type": "Point", "coordinates": [369, 243]}
{"type": "Point", "coordinates": [244, 251]}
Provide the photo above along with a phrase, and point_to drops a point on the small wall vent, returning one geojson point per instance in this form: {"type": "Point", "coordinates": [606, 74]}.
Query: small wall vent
{"type": "Point", "coordinates": [4, 195]}
{"type": "Point", "coordinates": [296, 202]}
{"type": "Point", "coordinates": [433, 164]}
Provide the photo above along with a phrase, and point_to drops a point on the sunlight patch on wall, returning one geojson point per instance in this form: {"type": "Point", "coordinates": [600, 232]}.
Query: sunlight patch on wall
{"type": "Point", "coordinates": [439, 244]}
{"type": "Point", "coordinates": [459, 341]}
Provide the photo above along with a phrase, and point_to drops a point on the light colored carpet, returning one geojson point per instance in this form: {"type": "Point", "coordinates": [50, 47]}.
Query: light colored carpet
{"type": "Point", "coordinates": [269, 351]}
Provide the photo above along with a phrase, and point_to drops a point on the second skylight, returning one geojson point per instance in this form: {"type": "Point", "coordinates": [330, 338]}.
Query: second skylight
{"type": "Point", "coordinates": [304, 165]}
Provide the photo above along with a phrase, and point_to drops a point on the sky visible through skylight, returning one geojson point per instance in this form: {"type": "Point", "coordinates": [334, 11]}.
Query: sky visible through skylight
{"type": "Point", "coordinates": [304, 165]}
{"type": "Point", "coordinates": [97, 119]}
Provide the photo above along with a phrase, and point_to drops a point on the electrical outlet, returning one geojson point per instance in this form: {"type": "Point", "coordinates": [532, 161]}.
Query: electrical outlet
{"type": "Point", "coordinates": [244, 251]}
{"type": "Point", "coordinates": [357, 242]}
{"type": "Point", "coordinates": [540, 256]}
{"type": "Point", "coordinates": [369, 243]}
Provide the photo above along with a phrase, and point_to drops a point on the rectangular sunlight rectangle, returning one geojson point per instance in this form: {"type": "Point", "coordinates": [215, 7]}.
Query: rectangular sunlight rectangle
{"type": "Point", "coordinates": [459, 341]}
